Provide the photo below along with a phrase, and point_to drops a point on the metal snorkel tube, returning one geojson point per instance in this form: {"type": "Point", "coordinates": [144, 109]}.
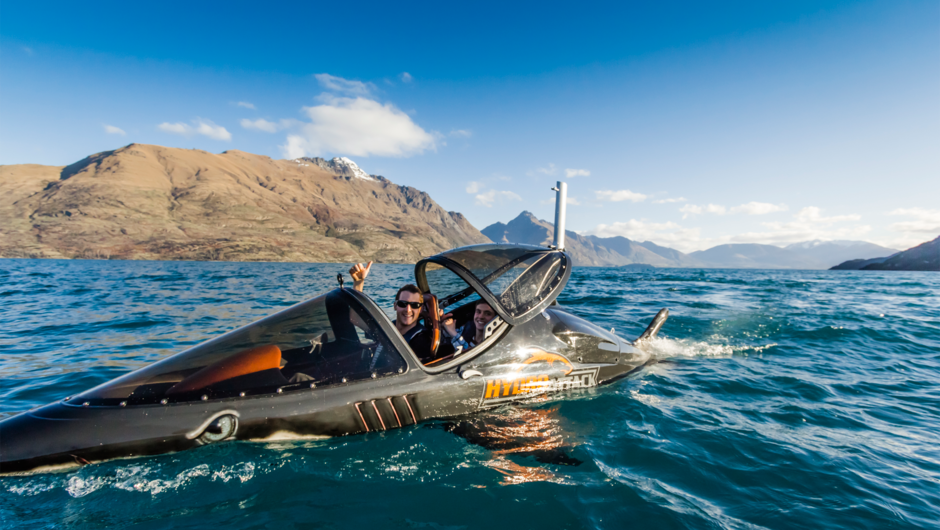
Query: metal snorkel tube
{"type": "Point", "coordinates": [561, 203]}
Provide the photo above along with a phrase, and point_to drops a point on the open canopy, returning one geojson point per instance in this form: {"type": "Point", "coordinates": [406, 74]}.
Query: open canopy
{"type": "Point", "coordinates": [518, 281]}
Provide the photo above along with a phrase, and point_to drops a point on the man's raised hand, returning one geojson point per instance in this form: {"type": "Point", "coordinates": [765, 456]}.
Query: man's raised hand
{"type": "Point", "coordinates": [359, 271]}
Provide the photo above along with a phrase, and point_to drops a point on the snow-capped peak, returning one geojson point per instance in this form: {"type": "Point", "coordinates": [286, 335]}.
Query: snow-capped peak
{"type": "Point", "coordinates": [352, 167]}
{"type": "Point", "coordinates": [340, 165]}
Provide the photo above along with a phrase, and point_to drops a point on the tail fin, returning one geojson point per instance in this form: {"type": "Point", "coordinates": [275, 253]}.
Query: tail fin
{"type": "Point", "coordinates": [654, 326]}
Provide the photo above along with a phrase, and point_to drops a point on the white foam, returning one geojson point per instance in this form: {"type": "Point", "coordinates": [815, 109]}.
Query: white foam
{"type": "Point", "coordinates": [717, 346]}
{"type": "Point", "coordinates": [663, 348]}
{"type": "Point", "coordinates": [281, 436]}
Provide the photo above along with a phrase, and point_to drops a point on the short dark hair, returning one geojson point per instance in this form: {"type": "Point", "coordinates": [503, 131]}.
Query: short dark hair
{"type": "Point", "coordinates": [482, 301]}
{"type": "Point", "coordinates": [411, 288]}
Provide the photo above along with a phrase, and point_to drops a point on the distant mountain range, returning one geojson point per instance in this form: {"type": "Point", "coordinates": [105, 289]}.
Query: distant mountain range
{"type": "Point", "coordinates": [163, 203]}
{"type": "Point", "coordinates": [586, 251]}
{"type": "Point", "coordinates": [923, 257]}
{"type": "Point", "coordinates": [617, 251]}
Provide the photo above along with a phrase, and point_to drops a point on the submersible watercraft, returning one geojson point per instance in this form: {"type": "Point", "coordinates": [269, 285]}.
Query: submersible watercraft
{"type": "Point", "coordinates": [335, 365]}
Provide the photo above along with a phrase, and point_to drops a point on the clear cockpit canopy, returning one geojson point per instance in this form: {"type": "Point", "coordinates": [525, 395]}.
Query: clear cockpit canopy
{"type": "Point", "coordinates": [517, 280]}
{"type": "Point", "coordinates": [327, 340]}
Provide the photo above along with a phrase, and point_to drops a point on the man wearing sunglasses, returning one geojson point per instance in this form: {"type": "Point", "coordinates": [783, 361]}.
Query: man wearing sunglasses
{"type": "Point", "coordinates": [408, 302]}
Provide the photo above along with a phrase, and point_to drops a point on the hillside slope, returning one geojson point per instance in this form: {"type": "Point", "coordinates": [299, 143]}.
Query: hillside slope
{"type": "Point", "coordinates": [923, 257]}
{"type": "Point", "coordinates": [153, 202]}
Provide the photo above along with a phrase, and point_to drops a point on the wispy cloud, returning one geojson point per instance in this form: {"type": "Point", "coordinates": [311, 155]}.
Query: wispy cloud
{"type": "Point", "coordinates": [669, 201]}
{"type": "Point", "coordinates": [28, 51]}
{"type": "Point", "coordinates": [267, 126]}
{"type": "Point", "coordinates": [200, 126]}
{"type": "Point", "coordinates": [491, 197]}
{"type": "Point", "coordinates": [922, 225]}
{"type": "Point", "coordinates": [691, 209]}
{"type": "Point", "coordinates": [474, 186]}
{"type": "Point", "coordinates": [406, 77]}
{"type": "Point", "coordinates": [344, 86]}
{"type": "Point", "coordinates": [547, 170]}
{"type": "Point", "coordinates": [751, 208]}
{"type": "Point", "coordinates": [461, 133]}
{"type": "Point", "coordinates": [246, 105]}
{"type": "Point", "coordinates": [759, 208]}
{"type": "Point", "coordinates": [670, 234]}
{"type": "Point", "coordinates": [619, 196]}
{"type": "Point", "coordinates": [111, 129]}
{"type": "Point", "coordinates": [358, 127]}
{"type": "Point", "coordinates": [807, 224]}
{"type": "Point", "coordinates": [571, 173]}
{"type": "Point", "coordinates": [924, 220]}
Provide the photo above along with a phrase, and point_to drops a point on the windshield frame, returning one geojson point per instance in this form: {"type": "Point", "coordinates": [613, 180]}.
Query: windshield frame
{"type": "Point", "coordinates": [477, 284]}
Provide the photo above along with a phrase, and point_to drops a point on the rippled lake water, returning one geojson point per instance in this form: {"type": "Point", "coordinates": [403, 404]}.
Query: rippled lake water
{"type": "Point", "coordinates": [785, 399]}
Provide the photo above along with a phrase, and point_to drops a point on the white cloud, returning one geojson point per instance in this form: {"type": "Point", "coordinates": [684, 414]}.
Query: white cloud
{"type": "Point", "coordinates": [28, 51]}
{"type": "Point", "coordinates": [571, 173]}
{"type": "Point", "coordinates": [176, 128]}
{"type": "Point", "coordinates": [406, 77]}
{"type": "Point", "coordinates": [923, 225]}
{"type": "Point", "coordinates": [549, 170]}
{"type": "Point", "coordinates": [668, 201]}
{"type": "Point", "coordinates": [925, 221]}
{"type": "Point", "coordinates": [474, 186]}
{"type": "Point", "coordinates": [344, 86]}
{"type": "Point", "coordinates": [111, 129]}
{"type": "Point", "coordinates": [358, 127]}
{"type": "Point", "coordinates": [759, 208]}
{"type": "Point", "coordinates": [572, 201]}
{"type": "Point", "coordinates": [260, 124]}
{"type": "Point", "coordinates": [294, 148]}
{"type": "Point", "coordinates": [461, 133]}
{"type": "Point", "coordinates": [245, 104]}
{"type": "Point", "coordinates": [619, 196]}
{"type": "Point", "coordinates": [669, 234]}
{"type": "Point", "coordinates": [807, 224]}
{"type": "Point", "coordinates": [691, 209]}
{"type": "Point", "coordinates": [493, 196]}
{"type": "Point", "coordinates": [203, 127]}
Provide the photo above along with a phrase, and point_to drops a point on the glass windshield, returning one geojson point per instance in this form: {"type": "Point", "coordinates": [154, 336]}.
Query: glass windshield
{"type": "Point", "coordinates": [323, 341]}
{"type": "Point", "coordinates": [450, 289]}
{"type": "Point", "coordinates": [519, 276]}
{"type": "Point", "coordinates": [484, 260]}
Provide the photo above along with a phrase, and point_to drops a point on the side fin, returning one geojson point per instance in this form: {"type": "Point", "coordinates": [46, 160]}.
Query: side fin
{"type": "Point", "coordinates": [654, 326]}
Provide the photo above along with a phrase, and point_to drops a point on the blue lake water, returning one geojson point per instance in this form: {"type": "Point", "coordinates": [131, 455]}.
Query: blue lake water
{"type": "Point", "coordinates": [787, 399]}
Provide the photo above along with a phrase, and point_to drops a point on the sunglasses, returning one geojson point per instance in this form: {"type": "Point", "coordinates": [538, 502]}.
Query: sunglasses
{"type": "Point", "coordinates": [403, 304]}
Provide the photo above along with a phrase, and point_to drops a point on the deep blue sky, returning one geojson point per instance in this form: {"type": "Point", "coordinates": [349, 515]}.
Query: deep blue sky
{"type": "Point", "coordinates": [775, 122]}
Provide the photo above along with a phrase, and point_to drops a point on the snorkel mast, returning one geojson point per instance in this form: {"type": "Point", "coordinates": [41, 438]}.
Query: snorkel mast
{"type": "Point", "coordinates": [561, 200]}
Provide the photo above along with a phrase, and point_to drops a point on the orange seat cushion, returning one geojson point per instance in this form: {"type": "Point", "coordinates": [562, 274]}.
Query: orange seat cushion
{"type": "Point", "coordinates": [241, 363]}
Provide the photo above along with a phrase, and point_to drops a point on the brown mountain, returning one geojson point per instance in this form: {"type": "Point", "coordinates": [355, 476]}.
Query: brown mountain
{"type": "Point", "coordinates": [152, 202]}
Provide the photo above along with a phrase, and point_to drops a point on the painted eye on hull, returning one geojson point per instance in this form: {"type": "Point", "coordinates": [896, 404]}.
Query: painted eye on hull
{"type": "Point", "coordinates": [218, 430]}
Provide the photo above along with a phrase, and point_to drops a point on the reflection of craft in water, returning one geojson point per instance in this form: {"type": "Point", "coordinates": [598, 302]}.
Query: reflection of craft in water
{"type": "Point", "coordinates": [518, 433]}
{"type": "Point", "coordinates": [335, 365]}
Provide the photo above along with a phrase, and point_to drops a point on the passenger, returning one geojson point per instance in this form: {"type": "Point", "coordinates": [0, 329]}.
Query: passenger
{"type": "Point", "coordinates": [408, 303]}
{"type": "Point", "coordinates": [473, 332]}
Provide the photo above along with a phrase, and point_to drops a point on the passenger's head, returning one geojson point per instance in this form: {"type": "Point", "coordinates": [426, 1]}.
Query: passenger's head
{"type": "Point", "coordinates": [408, 302]}
{"type": "Point", "coordinates": [482, 315]}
